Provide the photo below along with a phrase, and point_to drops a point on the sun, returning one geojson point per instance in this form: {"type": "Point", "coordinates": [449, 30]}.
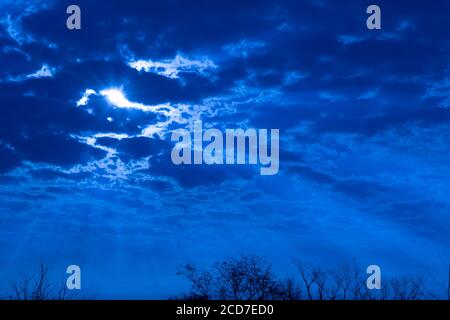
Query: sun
{"type": "Point", "coordinates": [116, 97]}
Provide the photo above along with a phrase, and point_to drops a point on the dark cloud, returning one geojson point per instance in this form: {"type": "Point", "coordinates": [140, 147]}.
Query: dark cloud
{"type": "Point", "coordinates": [9, 159]}
{"type": "Point", "coordinates": [58, 150]}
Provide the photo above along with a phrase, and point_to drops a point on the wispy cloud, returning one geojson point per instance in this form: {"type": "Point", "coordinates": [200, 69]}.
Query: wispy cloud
{"type": "Point", "coordinates": [17, 10]}
{"type": "Point", "coordinates": [404, 25]}
{"type": "Point", "coordinates": [294, 77]}
{"type": "Point", "coordinates": [369, 94]}
{"type": "Point", "coordinates": [14, 29]}
{"type": "Point", "coordinates": [171, 68]}
{"type": "Point", "coordinates": [44, 72]}
{"type": "Point", "coordinates": [332, 97]}
{"type": "Point", "coordinates": [244, 48]}
{"type": "Point", "coordinates": [439, 89]}
{"type": "Point", "coordinates": [348, 39]}
{"type": "Point", "coordinates": [85, 98]}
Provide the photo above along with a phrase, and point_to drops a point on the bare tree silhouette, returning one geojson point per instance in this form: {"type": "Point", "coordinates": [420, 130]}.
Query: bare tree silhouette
{"type": "Point", "coordinates": [201, 282]}
{"type": "Point", "coordinates": [246, 278]}
{"type": "Point", "coordinates": [308, 275]}
{"type": "Point", "coordinates": [36, 286]}
{"type": "Point", "coordinates": [343, 281]}
{"type": "Point", "coordinates": [251, 278]}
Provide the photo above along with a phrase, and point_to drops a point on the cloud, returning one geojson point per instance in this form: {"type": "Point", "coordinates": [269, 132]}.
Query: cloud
{"type": "Point", "coordinates": [14, 29]}
{"type": "Point", "coordinates": [12, 19]}
{"type": "Point", "coordinates": [351, 39]}
{"type": "Point", "coordinates": [244, 48]}
{"type": "Point", "coordinates": [10, 49]}
{"type": "Point", "coordinates": [9, 158]}
{"type": "Point", "coordinates": [44, 148]}
{"type": "Point", "coordinates": [44, 72]}
{"type": "Point", "coordinates": [371, 94]}
{"type": "Point", "coordinates": [294, 77]}
{"type": "Point", "coordinates": [439, 89]}
{"type": "Point", "coordinates": [172, 68]}
{"type": "Point", "coordinates": [172, 113]}
{"type": "Point", "coordinates": [332, 97]}
{"type": "Point", "coordinates": [404, 25]}
{"type": "Point", "coordinates": [84, 100]}
{"type": "Point", "coordinates": [165, 114]}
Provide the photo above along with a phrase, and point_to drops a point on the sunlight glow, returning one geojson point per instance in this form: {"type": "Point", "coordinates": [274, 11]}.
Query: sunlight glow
{"type": "Point", "coordinates": [117, 98]}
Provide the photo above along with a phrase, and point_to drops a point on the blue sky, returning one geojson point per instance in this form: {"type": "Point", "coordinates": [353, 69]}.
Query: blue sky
{"type": "Point", "coordinates": [86, 176]}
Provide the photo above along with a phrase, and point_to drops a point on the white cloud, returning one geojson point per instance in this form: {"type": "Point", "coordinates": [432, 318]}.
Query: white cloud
{"type": "Point", "coordinates": [85, 98]}
{"type": "Point", "coordinates": [172, 68]}
{"type": "Point", "coordinates": [112, 135]}
{"type": "Point", "coordinates": [44, 72]}
{"type": "Point", "coordinates": [92, 141]}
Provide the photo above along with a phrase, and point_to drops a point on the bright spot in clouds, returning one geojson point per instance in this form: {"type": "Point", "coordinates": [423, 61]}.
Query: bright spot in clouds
{"type": "Point", "coordinates": [117, 98]}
